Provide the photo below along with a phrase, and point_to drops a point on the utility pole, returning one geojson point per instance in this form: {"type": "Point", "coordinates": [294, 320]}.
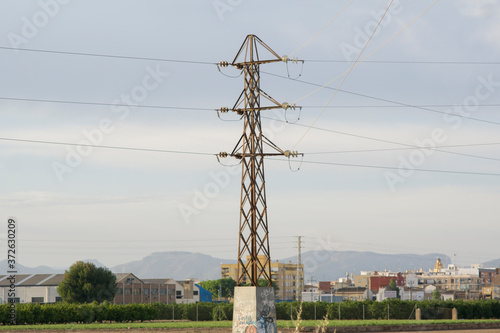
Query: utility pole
{"type": "Point", "coordinates": [299, 250]}
{"type": "Point", "coordinates": [254, 230]}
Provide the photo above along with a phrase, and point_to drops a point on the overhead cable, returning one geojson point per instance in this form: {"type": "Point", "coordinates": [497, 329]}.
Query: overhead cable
{"type": "Point", "coordinates": [107, 55]}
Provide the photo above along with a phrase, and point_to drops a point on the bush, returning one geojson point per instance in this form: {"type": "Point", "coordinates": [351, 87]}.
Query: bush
{"type": "Point", "coordinates": [33, 313]}
{"type": "Point", "coordinates": [224, 311]}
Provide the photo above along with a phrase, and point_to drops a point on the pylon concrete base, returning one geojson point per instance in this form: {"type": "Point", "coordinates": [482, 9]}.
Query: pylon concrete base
{"type": "Point", "coordinates": [254, 310]}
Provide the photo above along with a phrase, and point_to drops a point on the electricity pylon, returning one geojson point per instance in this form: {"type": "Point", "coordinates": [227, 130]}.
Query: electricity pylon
{"type": "Point", "coordinates": [253, 231]}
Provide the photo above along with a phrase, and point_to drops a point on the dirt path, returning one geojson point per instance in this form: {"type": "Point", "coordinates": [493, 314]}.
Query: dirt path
{"type": "Point", "coordinates": [439, 328]}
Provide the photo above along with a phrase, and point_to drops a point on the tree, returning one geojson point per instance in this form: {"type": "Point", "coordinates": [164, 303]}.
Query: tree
{"type": "Point", "coordinates": [436, 296]}
{"type": "Point", "coordinates": [226, 286]}
{"type": "Point", "coordinates": [394, 287]}
{"type": "Point", "coordinates": [85, 283]}
{"type": "Point", "coordinates": [263, 283]}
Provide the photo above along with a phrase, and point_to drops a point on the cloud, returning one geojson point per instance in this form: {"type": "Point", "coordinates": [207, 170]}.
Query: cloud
{"type": "Point", "coordinates": [480, 8]}
{"type": "Point", "coordinates": [488, 11]}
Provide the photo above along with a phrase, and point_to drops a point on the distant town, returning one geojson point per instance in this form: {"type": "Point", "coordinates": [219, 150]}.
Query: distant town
{"type": "Point", "coordinates": [445, 283]}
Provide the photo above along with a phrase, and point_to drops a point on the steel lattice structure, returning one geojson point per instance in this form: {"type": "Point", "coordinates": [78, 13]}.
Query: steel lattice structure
{"type": "Point", "coordinates": [253, 231]}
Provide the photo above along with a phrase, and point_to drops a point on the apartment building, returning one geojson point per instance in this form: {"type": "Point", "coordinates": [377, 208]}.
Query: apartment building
{"type": "Point", "coordinates": [283, 274]}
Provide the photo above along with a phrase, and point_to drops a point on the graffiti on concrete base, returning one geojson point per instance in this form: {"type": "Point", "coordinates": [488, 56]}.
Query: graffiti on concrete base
{"type": "Point", "coordinates": [265, 324]}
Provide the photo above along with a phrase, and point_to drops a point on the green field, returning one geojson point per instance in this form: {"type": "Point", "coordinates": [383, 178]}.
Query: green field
{"type": "Point", "coordinates": [198, 324]}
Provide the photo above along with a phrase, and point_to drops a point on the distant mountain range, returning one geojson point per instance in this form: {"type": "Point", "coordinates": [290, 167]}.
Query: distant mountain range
{"type": "Point", "coordinates": [175, 265]}
{"type": "Point", "coordinates": [492, 264]}
{"type": "Point", "coordinates": [20, 269]}
{"type": "Point", "coordinates": [28, 270]}
{"type": "Point", "coordinates": [318, 265]}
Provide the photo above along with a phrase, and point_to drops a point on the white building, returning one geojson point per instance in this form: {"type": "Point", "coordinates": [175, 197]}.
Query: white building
{"type": "Point", "coordinates": [310, 293]}
{"type": "Point", "coordinates": [31, 288]}
{"type": "Point", "coordinates": [407, 294]}
{"type": "Point", "coordinates": [42, 288]}
{"type": "Point", "coordinates": [308, 296]}
{"type": "Point", "coordinates": [411, 280]}
{"type": "Point", "coordinates": [385, 294]}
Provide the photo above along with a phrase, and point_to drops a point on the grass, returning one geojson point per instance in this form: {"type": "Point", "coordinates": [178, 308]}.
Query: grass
{"type": "Point", "coordinates": [101, 326]}
{"type": "Point", "coordinates": [337, 323]}
{"type": "Point", "coordinates": [200, 324]}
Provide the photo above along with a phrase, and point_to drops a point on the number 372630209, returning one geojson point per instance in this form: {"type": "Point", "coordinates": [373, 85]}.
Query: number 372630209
{"type": "Point", "coordinates": [11, 243]}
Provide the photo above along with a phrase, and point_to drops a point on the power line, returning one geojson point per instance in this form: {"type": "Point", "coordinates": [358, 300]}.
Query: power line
{"type": "Point", "coordinates": [107, 55]}
{"type": "Point", "coordinates": [400, 105]}
{"type": "Point", "coordinates": [102, 104]}
{"type": "Point", "coordinates": [412, 62]}
{"type": "Point", "coordinates": [347, 74]}
{"type": "Point", "coordinates": [210, 154]}
{"type": "Point", "coordinates": [386, 141]}
{"type": "Point", "coordinates": [392, 106]}
{"type": "Point", "coordinates": [385, 100]}
{"type": "Point", "coordinates": [197, 240]}
{"type": "Point", "coordinates": [407, 148]}
{"type": "Point", "coordinates": [356, 62]}
{"type": "Point", "coordinates": [317, 128]}
{"type": "Point", "coordinates": [108, 147]}
{"type": "Point", "coordinates": [394, 168]}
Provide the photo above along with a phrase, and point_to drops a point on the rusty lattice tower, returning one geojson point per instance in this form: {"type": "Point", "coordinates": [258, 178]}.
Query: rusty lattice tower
{"type": "Point", "coordinates": [253, 231]}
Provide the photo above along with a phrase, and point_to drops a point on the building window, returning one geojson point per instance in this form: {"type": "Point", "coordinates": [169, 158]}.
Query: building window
{"type": "Point", "coordinates": [59, 299]}
{"type": "Point", "coordinates": [119, 291]}
{"type": "Point", "coordinates": [37, 300]}
{"type": "Point", "coordinates": [14, 300]}
{"type": "Point", "coordinates": [178, 294]}
{"type": "Point", "coordinates": [137, 291]}
{"type": "Point", "coordinates": [128, 291]}
{"type": "Point", "coordinates": [195, 292]}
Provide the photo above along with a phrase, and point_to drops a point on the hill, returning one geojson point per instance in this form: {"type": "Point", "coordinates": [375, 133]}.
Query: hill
{"type": "Point", "coordinates": [175, 265]}
{"type": "Point", "coordinates": [492, 263]}
{"type": "Point", "coordinates": [319, 265]}
{"type": "Point", "coordinates": [29, 270]}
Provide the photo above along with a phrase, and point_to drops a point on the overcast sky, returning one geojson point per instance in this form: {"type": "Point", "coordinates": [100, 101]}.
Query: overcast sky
{"type": "Point", "coordinates": [434, 82]}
